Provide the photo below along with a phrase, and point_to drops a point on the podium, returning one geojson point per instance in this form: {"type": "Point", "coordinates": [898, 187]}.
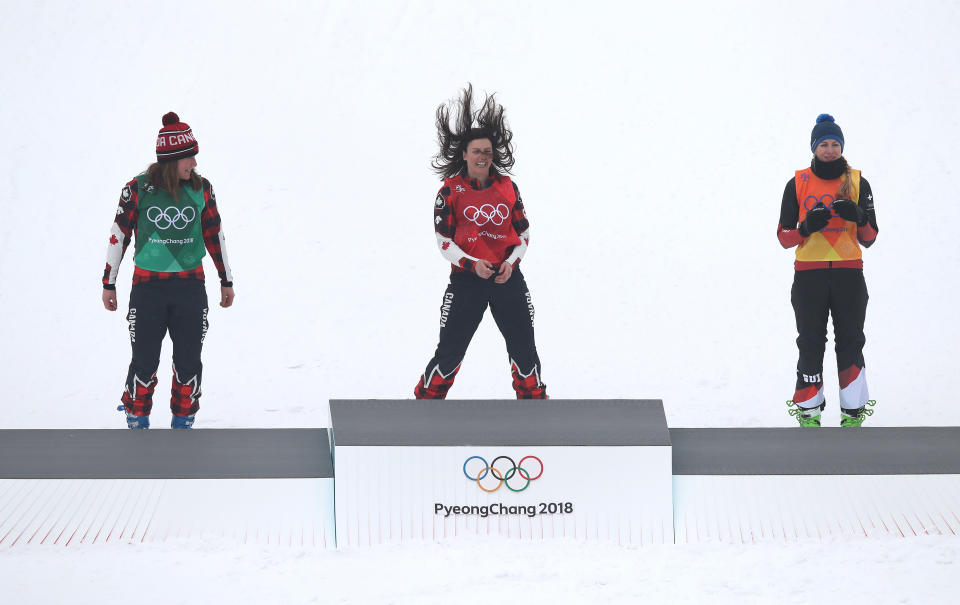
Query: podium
{"type": "Point", "coordinates": [255, 486]}
{"type": "Point", "coordinates": [414, 471]}
{"type": "Point", "coordinates": [746, 485]}
{"type": "Point", "coordinates": [438, 470]}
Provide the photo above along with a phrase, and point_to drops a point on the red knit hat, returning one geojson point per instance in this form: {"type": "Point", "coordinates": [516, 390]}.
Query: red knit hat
{"type": "Point", "coordinates": [175, 140]}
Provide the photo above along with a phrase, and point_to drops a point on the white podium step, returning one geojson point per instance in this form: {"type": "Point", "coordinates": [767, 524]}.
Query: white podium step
{"type": "Point", "coordinates": [526, 470]}
{"type": "Point", "coordinates": [781, 484]}
{"type": "Point", "coordinates": [63, 488]}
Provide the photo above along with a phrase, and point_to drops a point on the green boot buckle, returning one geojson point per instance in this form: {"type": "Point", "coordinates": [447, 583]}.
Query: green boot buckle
{"type": "Point", "coordinates": [859, 415]}
{"type": "Point", "coordinates": [803, 415]}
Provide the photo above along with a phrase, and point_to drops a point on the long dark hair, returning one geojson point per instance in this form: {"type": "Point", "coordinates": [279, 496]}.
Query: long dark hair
{"type": "Point", "coordinates": [453, 139]}
{"type": "Point", "coordinates": [164, 175]}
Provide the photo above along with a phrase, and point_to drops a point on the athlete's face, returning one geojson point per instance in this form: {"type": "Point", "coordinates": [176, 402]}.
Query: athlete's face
{"type": "Point", "coordinates": [184, 166]}
{"type": "Point", "coordinates": [828, 150]}
{"type": "Point", "coordinates": [478, 156]}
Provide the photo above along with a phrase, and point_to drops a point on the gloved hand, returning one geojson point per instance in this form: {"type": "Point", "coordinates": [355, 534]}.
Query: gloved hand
{"type": "Point", "coordinates": [817, 219]}
{"type": "Point", "coordinates": [849, 211]}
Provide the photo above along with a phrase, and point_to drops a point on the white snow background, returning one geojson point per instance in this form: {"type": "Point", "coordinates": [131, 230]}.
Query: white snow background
{"type": "Point", "coordinates": [653, 142]}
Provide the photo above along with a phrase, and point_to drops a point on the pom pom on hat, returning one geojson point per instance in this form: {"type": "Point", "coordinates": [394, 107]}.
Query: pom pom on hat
{"type": "Point", "coordinates": [826, 128]}
{"type": "Point", "coordinates": [175, 140]}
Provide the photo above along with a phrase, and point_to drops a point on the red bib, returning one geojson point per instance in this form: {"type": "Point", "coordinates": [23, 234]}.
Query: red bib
{"type": "Point", "coordinates": [483, 218]}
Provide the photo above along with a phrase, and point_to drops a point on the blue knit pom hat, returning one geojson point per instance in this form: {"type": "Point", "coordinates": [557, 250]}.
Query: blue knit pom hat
{"type": "Point", "coordinates": [826, 128]}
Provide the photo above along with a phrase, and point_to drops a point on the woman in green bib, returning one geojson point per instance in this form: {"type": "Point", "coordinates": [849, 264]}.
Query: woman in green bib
{"type": "Point", "coordinates": [171, 212]}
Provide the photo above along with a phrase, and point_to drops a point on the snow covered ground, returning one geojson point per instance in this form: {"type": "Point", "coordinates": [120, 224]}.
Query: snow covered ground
{"type": "Point", "coordinates": [882, 571]}
{"type": "Point", "coordinates": [653, 142]}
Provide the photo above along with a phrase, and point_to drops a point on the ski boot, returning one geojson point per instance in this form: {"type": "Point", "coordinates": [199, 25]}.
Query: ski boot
{"type": "Point", "coordinates": [855, 418]}
{"type": "Point", "coordinates": [182, 422]}
{"type": "Point", "coordinates": [135, 422]}
{"type": "Point", "coordinates": [806, 416]}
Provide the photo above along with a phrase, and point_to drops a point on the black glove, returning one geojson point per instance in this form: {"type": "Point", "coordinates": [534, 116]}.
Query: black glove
{"type": "Point", "coordinates": [817, 219]}
{"type": "Point", "coordinates": [849, 211]}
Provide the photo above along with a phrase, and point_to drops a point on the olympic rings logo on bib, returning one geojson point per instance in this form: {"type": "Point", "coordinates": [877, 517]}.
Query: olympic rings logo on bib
{"type": "Point", "coordinates": [811, 200]}
{"type": "Point", "coordinates": [487, 213]}
{"type": "Point", "coordinates": [506, 476]}
{"type": "Point", "coordinates": [171, 217]}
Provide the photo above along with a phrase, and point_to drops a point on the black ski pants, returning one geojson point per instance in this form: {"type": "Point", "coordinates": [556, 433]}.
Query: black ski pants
{"type": "Point", "coordinates": [177, 306]}
{"type": "Point", "coordinates": [841, 293]}
{"type": "Point", "coordinates": [464, 303]}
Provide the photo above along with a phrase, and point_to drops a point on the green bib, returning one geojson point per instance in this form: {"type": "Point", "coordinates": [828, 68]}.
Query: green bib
{"type": "Point", "coordinates": [169, 237]}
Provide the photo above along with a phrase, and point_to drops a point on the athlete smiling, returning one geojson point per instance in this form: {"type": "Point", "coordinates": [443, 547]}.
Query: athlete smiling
{"type": "Point", "coordinates": [482, 229]}
{"type": "Point", "coordinates": [171, 209]}
{"type": "Point", "coordinates": [818, 214]}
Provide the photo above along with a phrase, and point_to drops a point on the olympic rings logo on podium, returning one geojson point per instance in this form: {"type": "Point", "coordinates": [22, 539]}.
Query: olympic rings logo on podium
{"type": "Point", "coordinates": [502, 477]}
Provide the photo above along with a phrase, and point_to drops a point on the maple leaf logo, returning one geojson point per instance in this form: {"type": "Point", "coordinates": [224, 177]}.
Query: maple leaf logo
{"type": "Point", "coordinates": [445, 245]}
{"type": "Point", "coordinates": [113, 240]}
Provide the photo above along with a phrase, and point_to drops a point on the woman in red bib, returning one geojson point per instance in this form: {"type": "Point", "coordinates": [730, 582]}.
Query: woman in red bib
{"type": "Point", "coordinates": [827, 213]}
{"type": "Point", "coordinates": [482, 229]}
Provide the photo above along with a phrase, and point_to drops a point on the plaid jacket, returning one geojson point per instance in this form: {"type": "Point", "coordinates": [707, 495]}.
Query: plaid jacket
{"type": "Point", "coordinates": [125, 224]}
{"type": "Point", "coordinates": [445, 222]}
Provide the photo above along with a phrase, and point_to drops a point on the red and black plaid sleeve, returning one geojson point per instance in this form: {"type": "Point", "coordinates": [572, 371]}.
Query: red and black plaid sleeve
{"type": "Point", "coordinates": [213, 237]}
{"type": "Point", "coordinates": [519, 215]}
{"type": "Point", "coordinates": [444, 223]}
{"type": "Point", "coordinates": [443, 220]}
{"type": "Point", "coordinates": [518, 218]}
{"type": "Point", "coordinates": [121, 232]}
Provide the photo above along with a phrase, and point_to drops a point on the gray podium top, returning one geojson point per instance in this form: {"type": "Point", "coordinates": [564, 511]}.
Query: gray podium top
{"type": "Point", "coordinates": [165, 454]}
{"type": "Point", "coordinates": [816, 451]}
{"type": "Point", "coordinates": [565, 422]}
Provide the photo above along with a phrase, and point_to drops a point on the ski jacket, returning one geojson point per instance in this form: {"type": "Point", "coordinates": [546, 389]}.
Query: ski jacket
{"type": "Point", "coordinates": [127, 224]}
{"type": "Point", "coordinates": [474, 223]}
{"type": "Point", "coordinates": [838, 244]}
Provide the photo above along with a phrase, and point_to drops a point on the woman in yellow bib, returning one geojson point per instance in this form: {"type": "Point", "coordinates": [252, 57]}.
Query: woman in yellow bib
{"type": "Point", "coordinates": [827, 213]}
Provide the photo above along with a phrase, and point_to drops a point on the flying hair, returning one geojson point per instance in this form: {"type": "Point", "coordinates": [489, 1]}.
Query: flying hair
{"type": "Point", "coordinates": [486, 122]}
